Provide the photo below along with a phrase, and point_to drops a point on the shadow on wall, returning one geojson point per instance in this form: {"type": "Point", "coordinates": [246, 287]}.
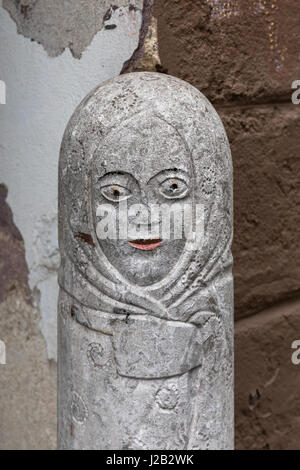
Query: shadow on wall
{"type": "Point", "coordinates": [244, 56]}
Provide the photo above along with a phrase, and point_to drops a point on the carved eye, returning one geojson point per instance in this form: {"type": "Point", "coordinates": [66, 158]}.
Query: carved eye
{"type": "Point", "coordinates": [174, 188]}
{"type": "Point", "coordinates": [115, 193]}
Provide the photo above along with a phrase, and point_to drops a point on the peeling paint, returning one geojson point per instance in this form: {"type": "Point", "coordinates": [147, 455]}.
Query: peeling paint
{"type": "Point", "coordinates": [130, 17]}
{"type": "Point", "coordinates": [62, 24]}
{"type": "Point", "coordinates": [42, 94]}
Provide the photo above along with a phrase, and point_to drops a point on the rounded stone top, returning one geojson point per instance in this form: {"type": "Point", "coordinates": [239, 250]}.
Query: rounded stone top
{"type": "Point", "coordinates": [118, 99]}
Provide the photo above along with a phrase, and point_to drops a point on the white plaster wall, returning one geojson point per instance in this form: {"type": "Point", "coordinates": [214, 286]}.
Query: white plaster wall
{"type": "Point", "coordinates": [42, 93]}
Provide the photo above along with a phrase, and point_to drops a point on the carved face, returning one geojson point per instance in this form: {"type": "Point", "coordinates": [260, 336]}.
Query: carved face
{"type": "Point", "coordinates": [139, 168]}
{"type": "Point", "coordinates": [143, 138]}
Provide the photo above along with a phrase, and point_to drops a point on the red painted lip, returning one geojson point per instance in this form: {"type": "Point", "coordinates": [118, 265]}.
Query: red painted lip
{"type": "Point", "coordinates": [146, 245]}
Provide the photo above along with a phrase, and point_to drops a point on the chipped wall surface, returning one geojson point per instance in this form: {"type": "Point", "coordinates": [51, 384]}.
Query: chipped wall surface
{"type": "Point", "coordinates": [72, 24]}
{"type": "Point", "coordinates": [150, 60]}
{"type": "Point", "coordinates": [13, 268]}
{"type": "Point", "coordinates": [42, 93]}
{"type": "Point", "coordinates": [28, 379]}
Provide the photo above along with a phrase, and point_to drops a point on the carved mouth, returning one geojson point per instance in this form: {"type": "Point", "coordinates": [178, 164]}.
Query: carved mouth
{"type": "Point", "coordinates": [146, 245]}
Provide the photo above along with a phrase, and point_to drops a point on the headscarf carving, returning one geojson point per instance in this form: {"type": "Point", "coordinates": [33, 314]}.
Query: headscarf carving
{"type": "Point", "coordinates": [189, 292]}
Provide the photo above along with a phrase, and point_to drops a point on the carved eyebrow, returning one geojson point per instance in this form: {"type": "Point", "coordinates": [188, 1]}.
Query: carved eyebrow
{"type": "Point", "coordinates": [109, 177]}
{"type": "Point", "coordinates": [172, 172]}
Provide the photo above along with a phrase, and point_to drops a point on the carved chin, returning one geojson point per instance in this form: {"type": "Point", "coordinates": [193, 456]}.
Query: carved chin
{"type": "Point", "coordinates": [143, 262]}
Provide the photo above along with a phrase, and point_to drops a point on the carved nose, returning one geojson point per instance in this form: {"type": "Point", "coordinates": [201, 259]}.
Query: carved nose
{"type": "Point", "coordinates": [148, 215]}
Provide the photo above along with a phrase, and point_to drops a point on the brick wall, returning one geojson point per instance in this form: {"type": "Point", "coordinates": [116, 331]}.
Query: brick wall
{"type": "Point", "coordinates": [244, 55]}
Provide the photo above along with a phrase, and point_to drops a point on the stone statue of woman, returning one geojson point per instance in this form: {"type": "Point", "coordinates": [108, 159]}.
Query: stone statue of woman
{"type": "Point", "coordinates": [145, 321]}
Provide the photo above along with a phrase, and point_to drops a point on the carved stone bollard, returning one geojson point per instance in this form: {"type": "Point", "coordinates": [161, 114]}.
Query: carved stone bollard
{"type": "Point", "coordinates": [145, 316]}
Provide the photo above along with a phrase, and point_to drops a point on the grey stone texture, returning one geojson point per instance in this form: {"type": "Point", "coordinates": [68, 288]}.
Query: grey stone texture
{"type": "Point", "coordinates": [145, 337]}
{"type": "Point", "coordinates": [67, 23]}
